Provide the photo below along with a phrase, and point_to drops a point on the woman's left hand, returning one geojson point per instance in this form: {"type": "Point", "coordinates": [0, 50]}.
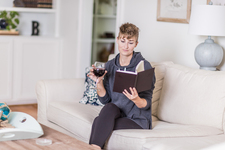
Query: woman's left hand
{"type": "Point", "coordinates": [133, 95]}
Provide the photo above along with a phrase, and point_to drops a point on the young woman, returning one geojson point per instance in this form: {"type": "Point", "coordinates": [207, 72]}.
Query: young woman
{"type": "Point", "coordinates": [122, 110]}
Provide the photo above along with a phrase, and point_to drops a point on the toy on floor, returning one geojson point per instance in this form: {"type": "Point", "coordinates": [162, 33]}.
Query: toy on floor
{"type": "Point", "coordinates": [4, 115]}
{"type": "Point", "coordinates": [17, 125]}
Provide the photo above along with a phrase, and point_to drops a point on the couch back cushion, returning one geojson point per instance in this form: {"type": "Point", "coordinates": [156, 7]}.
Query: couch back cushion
{"type": "Point", "coordinates": [160, 68]}
{"type": "Point", "coordinates": [192, 96]}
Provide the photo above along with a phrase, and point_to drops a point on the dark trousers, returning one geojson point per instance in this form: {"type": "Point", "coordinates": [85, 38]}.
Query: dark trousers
{"type": "Point", "coordinates": [109, 119]}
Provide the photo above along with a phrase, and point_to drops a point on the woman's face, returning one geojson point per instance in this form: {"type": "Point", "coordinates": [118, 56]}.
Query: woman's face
{"type": "Point", "coordinates": [126, 46]}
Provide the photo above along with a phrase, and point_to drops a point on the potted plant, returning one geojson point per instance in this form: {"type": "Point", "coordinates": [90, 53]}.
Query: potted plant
{"type": "Point", "coordinates": [10, 20]}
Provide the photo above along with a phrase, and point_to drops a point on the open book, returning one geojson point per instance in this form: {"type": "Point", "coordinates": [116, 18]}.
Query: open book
{"type": "Point", "coordinates": [140, 79]}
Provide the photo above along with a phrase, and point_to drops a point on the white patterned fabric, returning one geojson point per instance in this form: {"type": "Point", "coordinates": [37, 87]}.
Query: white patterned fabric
{"type": "Point", "coordinates": [90, 95]}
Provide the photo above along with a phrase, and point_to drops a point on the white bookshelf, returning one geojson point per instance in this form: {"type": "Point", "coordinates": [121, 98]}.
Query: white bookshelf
{"type": "Point", "coordinates": [48, 18]}
{"type": "Point", "coordinates": [103, 21]}
{"type": "Point", "coordinates": [26, 59]}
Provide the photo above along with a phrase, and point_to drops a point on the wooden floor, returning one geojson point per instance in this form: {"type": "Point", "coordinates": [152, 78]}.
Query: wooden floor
{"type": "Point", "coordinates": [60, 141]}
{"type": "Point", "coordinates": [30, 109]}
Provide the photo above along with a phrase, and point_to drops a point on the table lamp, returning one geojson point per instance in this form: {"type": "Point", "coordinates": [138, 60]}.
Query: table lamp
{"type": "Point", "coordinates": [208, 20]}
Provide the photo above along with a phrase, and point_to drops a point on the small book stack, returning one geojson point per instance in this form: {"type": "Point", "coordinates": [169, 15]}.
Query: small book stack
{"type": "Point", "coordinates": [25, 3]}
{"type": "Point", "coordinates": [44, 3]}
{"type": "Point", "coordinates": [33, 3]}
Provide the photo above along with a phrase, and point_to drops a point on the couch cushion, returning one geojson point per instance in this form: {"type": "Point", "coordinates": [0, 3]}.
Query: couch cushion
{"type": "Point", "coordinates": [135, 139]}
{"type": "Point", "coordinates": [159, 75]}
{"type": "Point", "coordinates": [215, 142]}
{"type": "Point", "coordinates": [73, 116]}
{"type": "Point", "coordinates": [192, 96]}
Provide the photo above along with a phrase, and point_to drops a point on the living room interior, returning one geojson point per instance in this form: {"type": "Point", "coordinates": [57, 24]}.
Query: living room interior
{"type": "Point", "coordinates": [63, 48]}
{"type": "Point", "coordinates": [159, 41]}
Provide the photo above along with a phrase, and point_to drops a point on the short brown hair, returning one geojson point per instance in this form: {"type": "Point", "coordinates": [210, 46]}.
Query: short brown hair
{"type": "Point", "coordinates": [128, 30]}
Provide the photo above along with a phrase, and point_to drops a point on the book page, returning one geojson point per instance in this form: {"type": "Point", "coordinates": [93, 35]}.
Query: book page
{"type": "Point", "coordinates": [129, 72]}
{"type": "Point", "coordinates": [140, 66]}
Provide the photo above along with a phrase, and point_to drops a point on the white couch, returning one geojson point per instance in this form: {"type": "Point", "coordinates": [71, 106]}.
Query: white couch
{"type": "Point", "coordinates": [187, 111]}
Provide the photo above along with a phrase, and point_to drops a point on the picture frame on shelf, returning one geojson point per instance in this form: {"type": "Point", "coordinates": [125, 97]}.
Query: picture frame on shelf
{"type": "Point", "coordinates": [177, 11]}
{"type": "Point", "coordinates": [217, 2]}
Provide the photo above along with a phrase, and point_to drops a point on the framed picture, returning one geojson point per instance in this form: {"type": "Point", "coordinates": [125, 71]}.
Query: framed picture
{"type": "Point", "coordinates": [217, 2]}
{"type": "Point", "coordinates": [174, 11]}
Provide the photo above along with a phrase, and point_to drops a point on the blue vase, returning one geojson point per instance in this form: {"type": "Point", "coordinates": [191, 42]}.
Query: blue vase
{"type": "Point", "coordinates": [3, 24]}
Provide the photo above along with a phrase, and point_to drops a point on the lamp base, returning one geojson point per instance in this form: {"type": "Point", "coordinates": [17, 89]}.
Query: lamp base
{"type": "Point", "coordinates": [208, 68]}
{"type": "Point", "coordinates": [208, 55]}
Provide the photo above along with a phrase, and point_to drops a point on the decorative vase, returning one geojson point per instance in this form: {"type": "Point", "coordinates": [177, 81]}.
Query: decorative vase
{"type": "Point", "coordinates": [3, 24]}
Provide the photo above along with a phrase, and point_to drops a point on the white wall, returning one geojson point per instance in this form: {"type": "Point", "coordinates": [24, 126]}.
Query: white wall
{"type": "Point", "coordinates": [85, 18]}
{"type": "Point", "coordinates": [76, 30]}
{"type": "Point", "coordinates": [161, 41]}
{"type": "Point", "coordinates": [68, 28]}
{"type": "Point", "coordinates": [6, 3]}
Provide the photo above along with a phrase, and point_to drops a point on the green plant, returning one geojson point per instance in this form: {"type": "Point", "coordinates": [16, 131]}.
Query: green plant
{"type": "Point", "coordinates": [11, 19]}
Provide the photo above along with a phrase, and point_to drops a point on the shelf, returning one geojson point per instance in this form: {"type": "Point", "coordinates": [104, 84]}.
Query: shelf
{"type": "Point", "coordinates": [7, 32]}
{"type": "Point", "coordinates": [27, 37]}
{"type": "Point", "coordinates": [104, 23]}
{"type": "Point", "coordinates": [31, 10]}
{"type": "Point", "coordinates": [105, 16]}
{"type": "Point", "coordinates": [105, 40]}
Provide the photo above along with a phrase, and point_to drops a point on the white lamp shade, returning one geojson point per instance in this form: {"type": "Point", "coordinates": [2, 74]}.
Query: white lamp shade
{"type": "Point", "coordinates": [207, 20]}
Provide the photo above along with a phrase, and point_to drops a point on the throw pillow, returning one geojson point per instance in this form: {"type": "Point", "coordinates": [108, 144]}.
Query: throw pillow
{"type": "Point", "coordinates": [90, 95]}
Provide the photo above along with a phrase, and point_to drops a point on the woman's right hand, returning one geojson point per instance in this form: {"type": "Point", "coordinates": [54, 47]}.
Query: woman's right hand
{"type": "Point", "coordinates": [92, 75]}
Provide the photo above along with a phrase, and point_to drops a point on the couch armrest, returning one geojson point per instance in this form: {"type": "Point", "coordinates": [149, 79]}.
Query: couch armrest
{"type": "Point", "coordinates": [57, 90]}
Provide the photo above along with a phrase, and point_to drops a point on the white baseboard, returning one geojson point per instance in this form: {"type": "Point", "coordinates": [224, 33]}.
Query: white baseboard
{"type": "Point", "coordinates": [22, 102]}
